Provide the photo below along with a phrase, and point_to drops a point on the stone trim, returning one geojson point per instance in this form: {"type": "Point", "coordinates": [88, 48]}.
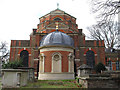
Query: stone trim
{"type": "Point", "coordinates": [14, 70]}
{"type": "Point", "coordinates": [29, 54]}
{"type": "Point", "coordinates": [19, 54]}
{"type": "Point", "coordinates": [42, 61]}
{"type": "Point", "coordinates": [36, 59]}
{"type": "Point", "coordinates": [35, 72]}
{"type": "Point", "coordinates": [71, 56]}
{"type": "Point", "coordinates": [56, 49]}
{"type": "Point", "coordinates": [55, 76]}
{"type": "Point", "coordinates": [95, 54]}
{"type": "Point", "coordinates": [71, 59]}
{"type": "Point", "coordinates": [59, 28]}
{"type": "Point", "coordinates": [56, 46]}
{"type": "Point", "coordinates": [90, 46]}
{"type": "Point", "coordinates": [20, 47]}
{"type": "Point", "coordinates": [59, 60]}
{"type": "Point", "coordinates": [77, 59]}
{"type": "Point", "coordinates": [57, 73]}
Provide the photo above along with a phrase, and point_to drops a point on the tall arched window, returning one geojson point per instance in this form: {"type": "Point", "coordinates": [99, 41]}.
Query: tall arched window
{"type": "Point", "coordinates": [56, 62]}
{"type": "Point", "coordinates": [117, 65]}
{"type": "Point", "coordinates": [90, 58]}
{"type": "Point", "coordinates": [24, 55]}
{"type": "Point", "coordinates": [110, 65]}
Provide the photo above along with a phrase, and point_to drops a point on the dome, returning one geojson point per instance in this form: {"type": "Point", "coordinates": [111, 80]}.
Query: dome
{"type": "Point", "coordinates": [57, 39]}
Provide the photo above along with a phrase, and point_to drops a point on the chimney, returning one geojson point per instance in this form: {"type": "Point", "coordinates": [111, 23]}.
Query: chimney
{"type": "Point", "coordinates": [34, 31]}
{"type": "Point", "coordinates": [80, 31]}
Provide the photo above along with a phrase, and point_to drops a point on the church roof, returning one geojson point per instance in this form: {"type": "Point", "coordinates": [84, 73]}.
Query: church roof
{"type": "Point", "coordinates": [58, 11]}
{"type": "Point", "coordinates": [57, 39]}
{"type": "Point", "coordinates": [84, 66]}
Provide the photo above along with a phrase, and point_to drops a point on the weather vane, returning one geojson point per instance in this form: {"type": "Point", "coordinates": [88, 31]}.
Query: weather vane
{"type": "Point", "coordinates": [57, 5]}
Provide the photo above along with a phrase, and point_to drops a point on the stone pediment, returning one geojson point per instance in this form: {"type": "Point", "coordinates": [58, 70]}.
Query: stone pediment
{"type": "Point", "coordinates": [57, 11]}
{"type": "Point", "coordinates": [60, 26]}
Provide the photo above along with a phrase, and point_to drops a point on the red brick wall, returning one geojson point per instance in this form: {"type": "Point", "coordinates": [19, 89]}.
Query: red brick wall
{"type": "Point", "coordinates": [35, 65]}
{"type": "Point", "coordinates": [66, 19]}
{"type": "Point", "coordinates": [48, 60]}
{"type": "Point", "coordinates": [79, 40]}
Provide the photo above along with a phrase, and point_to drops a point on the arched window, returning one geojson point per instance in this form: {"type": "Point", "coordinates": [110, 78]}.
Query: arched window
{"type": "Point", "coordinates": [57, 19]}
{"type": "Point", "coordinates": [24, 55]}
{"type": "Point", "coordinates": [90, 58]}
{"type": "Point", "coordinates": [117, 65]}
{"type": "Point", "coordinates": [56, 62]}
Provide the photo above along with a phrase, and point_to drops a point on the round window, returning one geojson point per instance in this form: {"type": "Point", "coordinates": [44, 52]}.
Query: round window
{"type": "Point", "coordinates": [56, 57]}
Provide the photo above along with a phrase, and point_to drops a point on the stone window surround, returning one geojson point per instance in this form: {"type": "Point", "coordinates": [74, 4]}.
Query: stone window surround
{"type": "Point", "coordinates": [60, 58]}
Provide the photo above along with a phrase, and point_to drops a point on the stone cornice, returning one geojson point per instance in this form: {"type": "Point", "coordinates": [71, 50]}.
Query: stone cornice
{"type": "Point", "coordinates": [56, 46]}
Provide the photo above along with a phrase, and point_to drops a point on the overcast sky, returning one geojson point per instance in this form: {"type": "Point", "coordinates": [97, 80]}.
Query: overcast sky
{"type": "Point", "coordinates": [19, 17]}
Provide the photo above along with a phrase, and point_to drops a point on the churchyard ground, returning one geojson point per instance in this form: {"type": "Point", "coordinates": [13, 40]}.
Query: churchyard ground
{"type": "Point", "coordinates": [0, 83]}
{"type": "Point", "coordinates": [53, 84]}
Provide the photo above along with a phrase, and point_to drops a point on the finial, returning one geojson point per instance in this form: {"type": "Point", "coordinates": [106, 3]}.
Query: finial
{"type": "Point", "coordinates": [57, 5]}
{"type": "Point", "coordinates": [56, 26]}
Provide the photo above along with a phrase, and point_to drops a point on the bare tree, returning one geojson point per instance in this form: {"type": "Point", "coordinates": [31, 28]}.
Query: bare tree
{"type": "Point", "coordinates": [4, 53]}
{"type": "Point", "coordinates": [107, 32]}
{"type": "Point", "coordinates": [106, 10]}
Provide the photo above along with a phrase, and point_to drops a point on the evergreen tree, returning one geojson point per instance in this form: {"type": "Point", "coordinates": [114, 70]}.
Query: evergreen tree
{"type": "Point", "coordinates": [100, 67]}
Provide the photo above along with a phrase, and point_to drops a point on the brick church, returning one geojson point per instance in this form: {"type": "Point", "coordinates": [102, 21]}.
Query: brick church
{"type": "Point", "coordinates": [57, 45]}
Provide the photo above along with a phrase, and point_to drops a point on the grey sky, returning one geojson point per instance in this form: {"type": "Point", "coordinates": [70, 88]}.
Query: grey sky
{"type": "Point", "coordinates": [19, 17]}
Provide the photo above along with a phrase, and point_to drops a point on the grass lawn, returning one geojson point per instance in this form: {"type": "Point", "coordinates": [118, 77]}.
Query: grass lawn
{"type": "Point", "coordinates": [53, 84]}
{"type": "Point", "coordinates": [0, 83]}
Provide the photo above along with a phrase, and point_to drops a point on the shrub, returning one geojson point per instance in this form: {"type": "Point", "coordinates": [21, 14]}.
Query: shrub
{"type": "Point", "coordinates": [12, 64]}
{"type": "Point", "coordinates": [100, 67]}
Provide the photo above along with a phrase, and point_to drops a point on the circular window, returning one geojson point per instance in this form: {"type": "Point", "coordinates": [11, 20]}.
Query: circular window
{"type": "Point", "coordinates": [56, 57]}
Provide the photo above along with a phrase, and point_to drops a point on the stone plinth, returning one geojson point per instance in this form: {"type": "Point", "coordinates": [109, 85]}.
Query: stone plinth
{"type": "Point", "coordinates": [56, 76]}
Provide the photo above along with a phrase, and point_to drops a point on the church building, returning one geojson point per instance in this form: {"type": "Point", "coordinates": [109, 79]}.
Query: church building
{"type": "Point", "coordinates": [57, 47]}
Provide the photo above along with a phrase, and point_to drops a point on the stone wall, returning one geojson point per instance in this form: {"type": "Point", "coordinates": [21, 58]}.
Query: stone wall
{"type": "Point", "coordinates": [103, 83]}
{"type": "Point", "coordinates": [106, 80]}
